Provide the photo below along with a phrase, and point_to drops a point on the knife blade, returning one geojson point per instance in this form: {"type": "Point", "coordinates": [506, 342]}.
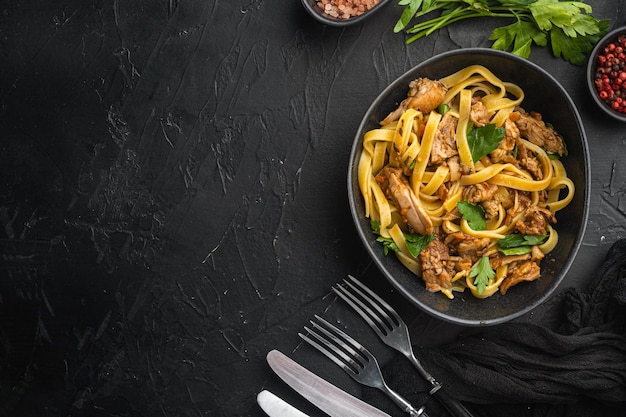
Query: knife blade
{"type": "Point", "coordinates": [327, 397]}
{"type": "Point", "coordinates": [275, 406]}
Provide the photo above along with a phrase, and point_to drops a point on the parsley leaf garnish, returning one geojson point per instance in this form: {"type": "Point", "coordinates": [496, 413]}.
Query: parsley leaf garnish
{"type": "Point", "coordinates": [443, 109]}
{"type": "Point", "coordinates": [474, 214]}
{"type": "Point", "coordinates": [518, 244]}
{"type": "Point", "coordinates": [482, 274]}
{"type": "Point", "coordinates": [388, 244]}
{"type": "Point", "coordinates": [568, 26]}
{"type": "Point", "coordinates": [516, 239]}
{"type": "Point", "coordinates": [417, 242]}
{"type": "Point", "coordinates": [414, 242]}
{"type": "Point", "coordinates": [484, 139]}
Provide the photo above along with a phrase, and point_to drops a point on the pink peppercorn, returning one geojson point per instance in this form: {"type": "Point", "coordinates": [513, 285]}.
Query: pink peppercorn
{"type": "Point", "coordinates": [610, 74]}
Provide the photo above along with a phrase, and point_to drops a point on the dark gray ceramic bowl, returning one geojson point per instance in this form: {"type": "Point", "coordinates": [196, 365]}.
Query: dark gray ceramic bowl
{"type": "Point", "coordinates": [559, 110]}
{"type": "Point", "coordinates": [591, 72]}
{"type": "Point", "coordinates": [319, 15]}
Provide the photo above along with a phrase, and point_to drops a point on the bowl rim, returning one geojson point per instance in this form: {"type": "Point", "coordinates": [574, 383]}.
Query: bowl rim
{"type": "Point", "coordinates": [320, 16]}
{"type": "Point", "coordinates": [354, 194]}
{"type": "Point", "coordinates": [591, 66]}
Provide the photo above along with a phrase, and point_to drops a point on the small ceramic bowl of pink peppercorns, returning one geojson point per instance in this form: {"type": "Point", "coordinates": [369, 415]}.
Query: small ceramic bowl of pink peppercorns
{"type": "Point", "coordinates": [606, 73]}
{"type": "Point", "coordinates": [342, 12]}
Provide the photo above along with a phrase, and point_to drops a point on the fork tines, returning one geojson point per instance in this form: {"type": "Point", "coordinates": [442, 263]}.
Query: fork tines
{"type": "Point", "coordinates": [375, 311]}
{"type": "Point", "coordinates": [354, 359]}
{"type": "Point", "coordinates": [336, 345]}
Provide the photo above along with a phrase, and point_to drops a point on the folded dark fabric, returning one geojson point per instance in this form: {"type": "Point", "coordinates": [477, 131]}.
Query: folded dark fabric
{"type": "Point", "coordinates": [520, 369]}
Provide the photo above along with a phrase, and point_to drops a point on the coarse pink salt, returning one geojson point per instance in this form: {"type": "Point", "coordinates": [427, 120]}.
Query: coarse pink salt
{"type": "Point", "coordinates": [345, 9]}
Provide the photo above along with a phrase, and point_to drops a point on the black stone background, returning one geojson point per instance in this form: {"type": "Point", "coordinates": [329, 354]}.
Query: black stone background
{"type": "Point", "coordinates": [173, 196]}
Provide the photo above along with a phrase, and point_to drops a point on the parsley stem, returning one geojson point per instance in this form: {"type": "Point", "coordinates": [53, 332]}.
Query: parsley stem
{"type": "Point", "coordinates": [426, 28]}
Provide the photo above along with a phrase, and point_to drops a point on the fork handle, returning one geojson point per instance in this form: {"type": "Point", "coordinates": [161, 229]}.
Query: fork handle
{"type": "Point", "coordinates": [453, 406]}
{"type": "Point", "coordinates": [401, 401]}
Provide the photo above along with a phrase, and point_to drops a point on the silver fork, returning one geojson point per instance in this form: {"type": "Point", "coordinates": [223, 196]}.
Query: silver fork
{"type": "Point", "coordinates": [392, 330]}
{"type": "Point", "coordinates": [354, 359]}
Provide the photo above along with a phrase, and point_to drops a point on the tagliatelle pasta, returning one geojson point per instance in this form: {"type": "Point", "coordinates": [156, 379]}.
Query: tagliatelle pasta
{"type": "Point", "coordinates": [464, 185]}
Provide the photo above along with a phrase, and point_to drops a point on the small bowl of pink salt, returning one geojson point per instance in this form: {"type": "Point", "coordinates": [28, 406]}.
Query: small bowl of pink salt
{"type": "Point", "coordinates": [342, 12]}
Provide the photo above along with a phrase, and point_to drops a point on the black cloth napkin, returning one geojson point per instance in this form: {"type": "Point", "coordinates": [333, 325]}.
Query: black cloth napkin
{"type": "Point", "coordinates": [577, 368]}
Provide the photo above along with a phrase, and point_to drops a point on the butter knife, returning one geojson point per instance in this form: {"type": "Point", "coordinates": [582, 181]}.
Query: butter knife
{"type": "Point", "coordinates": [276, 407]}
{"type": "Point", "coordinates": [324, 395]}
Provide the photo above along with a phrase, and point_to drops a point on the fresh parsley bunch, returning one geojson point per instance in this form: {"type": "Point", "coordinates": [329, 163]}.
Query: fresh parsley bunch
{"type": "Point", "coordinates": [568, 26]}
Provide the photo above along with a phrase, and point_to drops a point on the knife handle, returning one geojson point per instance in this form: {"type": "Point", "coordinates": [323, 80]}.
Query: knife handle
{"type": "Point", "coordinates": [453, 406]}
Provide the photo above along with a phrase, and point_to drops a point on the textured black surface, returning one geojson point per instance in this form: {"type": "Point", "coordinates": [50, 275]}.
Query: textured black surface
{"type": "Point", "coordinates": [173, 196]}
